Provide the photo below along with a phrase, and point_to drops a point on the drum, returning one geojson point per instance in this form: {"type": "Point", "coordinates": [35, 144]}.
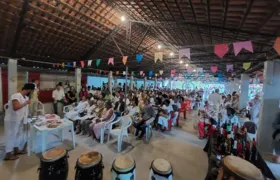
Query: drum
{"type": "Point", "coordinates": [89, 166]}
{"type": "Point", "coordinates": [161, 170]}
{"type": "Point", "coordinates": [54, 165]}
{"type": "Point", "coordinates": [235, 168]}
{"type": "Point", "coordinates": [123, 168]}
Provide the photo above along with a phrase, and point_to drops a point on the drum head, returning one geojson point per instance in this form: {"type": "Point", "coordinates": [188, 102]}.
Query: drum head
{"type": "Point", "coordinates": [242, 168]}
{"type": "Point", "coordinates": [53, 154]}
{"type": "Point", "coordinates": [124, 163]}
{"type": "Point", "coordinates": [162, 166]}
{"type": "Point", "coordinates": [89, 159]}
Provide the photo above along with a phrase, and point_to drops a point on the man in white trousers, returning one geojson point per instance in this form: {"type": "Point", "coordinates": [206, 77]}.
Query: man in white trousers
{"type": "Point", "coordinates": [15, 118]}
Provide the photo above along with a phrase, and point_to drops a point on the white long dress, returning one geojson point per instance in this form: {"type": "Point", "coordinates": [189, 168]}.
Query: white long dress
{"type": "Point", "coordinates": [14, 120]}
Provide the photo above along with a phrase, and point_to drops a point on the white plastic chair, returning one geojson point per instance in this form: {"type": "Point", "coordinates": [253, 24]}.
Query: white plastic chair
{"type": "Point", "coordinates": [6, 106]}
{"type": "Point", "coordinates": [123, 131]}
{"type": "Point", "coordinates": [40, 109]}
{"type": "Point", "coordinates": [149, 128]}
{"type": "Point", "coordinates": [107, 126]}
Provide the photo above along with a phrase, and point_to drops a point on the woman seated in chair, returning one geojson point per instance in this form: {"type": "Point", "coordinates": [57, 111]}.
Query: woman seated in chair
{"type": "Point", "coordinates": [164, 115]}
{"type": "Point", "coordinates": [95, 113]}
{"type": "Point", "coordinates": [133, 108]}
{"type": "Point", "coordinates": [79, 109]}
{"type": "Point", "coordinates": [206, 125]}
{"type": "Point", "coordinates": [99, 123]}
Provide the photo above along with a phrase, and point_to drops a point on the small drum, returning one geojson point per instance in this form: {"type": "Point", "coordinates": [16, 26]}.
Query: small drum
{"type": "Point", "coordinates": [54, 165]}
{"type": "Point", "coordinates": [235, 168]}
{"type": "Point", "coordinates": [161, 170]}
{"type": "Point", "coordinates": [123, 168]}
{"type": "Point", "coordinates": [89, 166]}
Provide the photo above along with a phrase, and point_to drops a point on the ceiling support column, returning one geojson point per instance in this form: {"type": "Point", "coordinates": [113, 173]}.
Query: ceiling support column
{"type": "Point", "coordinates": [243, 98]}
{"type": "Point", "coordinates": [78, 79]}
{"type": "Point", "coordinates": [12, 77]}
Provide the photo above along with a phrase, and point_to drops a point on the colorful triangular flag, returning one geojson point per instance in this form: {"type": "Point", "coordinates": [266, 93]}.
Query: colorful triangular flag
{"type": "Point", "coordinates": [173, 71]}
{"type": "Point", "coordinates": [184, 53]}
{"type": "Point", "coordinates": [82, 64]}
{"type": "Point", "coordinates": [141, 72]}
{"type": "Point", "coordinates": [214, 69]}
{"type": "Point", "coordinates": [158, 56]}
{"type": "Point", "coordinates": [89, 62]}
{"type": "Point", "coordinates": [124, 60]}
{"type": "Point", "coordinates": [238, 46]}
{"type": "Point", "coordinates": [150, 73]}
{"type": "Point", "coordinates": [132, 73]}
{"type": "Point", "coordinates": [68, 64]}
{"type": "Point", "coordinates": [229, 67]}
{"type": "Point", "coordinates": [246, 65]}
{"type": "Point", "coordinates": [139, 57]}
{"type": "Point", "coordinates": [98, 62]}
{"type": "Point", "coordinates": [161, 72]}
{"type": "Point", "coordinates": [221, 49]}
{"type": "Point", "coordinates": [111, 61]}
{"type": "Point", "coordinates": [277, 45]}
{"type": "Point", "coordinates": [74, 64]}
{"type": "Point", "coordinates": [123, 73]}
{"type": "Point", "coordinates": [62, 65]}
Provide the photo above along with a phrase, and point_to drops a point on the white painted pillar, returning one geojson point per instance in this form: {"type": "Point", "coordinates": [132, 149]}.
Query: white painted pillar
{"type": "Point", "coordinates": [110, 81]}
{"type": "Point", "coordinates": [78, 79]}
{"type": "Point", "coordinates": [270, 105]}
{"type": "Point", "coordinates": [12, 77]}
{"type": "Point", "coordinates": [1, 92]}
{"type": "Point", "coordinates": [155, 83]}
{"type": "Point", "coordinates": [243, 98]}
{"type": "Point", "coordinates": [131, 83]}
{"type": "Point", "coordinates": [145, 83]}
{"type": "Point", "coordinates": [115, 82]}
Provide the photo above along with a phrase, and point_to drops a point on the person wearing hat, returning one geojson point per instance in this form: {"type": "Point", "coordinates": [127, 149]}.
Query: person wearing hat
{"type": "Point", "coordinates": [255, 105]}
{"type": "Point", "coordinates": [15, 118]}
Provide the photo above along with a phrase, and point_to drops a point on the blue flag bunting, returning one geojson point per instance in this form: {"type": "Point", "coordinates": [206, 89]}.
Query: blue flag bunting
{"type": "Point", "coordinates": [68, 64]}
{"type": "Point", "coordinates": [150, 73]}
{"type": "Point", "coordinates": [139, 57]}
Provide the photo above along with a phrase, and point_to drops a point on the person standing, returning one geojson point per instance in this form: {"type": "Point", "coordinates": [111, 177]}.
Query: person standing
{"type": "Point", "coordinates": [59, 100]}
{"type": "Point", "coordinates": [34, 98]}
{"type": "Point", "coordinates": [255, 106]}
{"type": "Point", "coordinates": [15, 118]}
{"type": "Point", "coordinates": [72, 95]}
{"type": "Point", "coordinates": [215, 99]}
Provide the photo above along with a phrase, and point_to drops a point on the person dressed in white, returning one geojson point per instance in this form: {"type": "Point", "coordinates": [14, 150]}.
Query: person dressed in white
{"type": "Point", "coordinates": [59, 99]}
{"type": "Point", "coordinates": [80, 108]}
{"type": "Point", "coordinates": [15, 118]}
{"type": "Point", "coordinates": [164, 115]}
{"type": "Point", "coordinates": [255, 105]}
{"type": "Point", "coordinates": [176, 111]}
{"type": "Point", "coordinates": [215, 99]}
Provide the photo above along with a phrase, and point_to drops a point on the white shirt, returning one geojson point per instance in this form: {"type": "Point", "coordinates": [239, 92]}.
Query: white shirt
{"type": "Point", "coordinates": [58, 95]}
{"type": "Point", "coordinates": [20, 114]}
{"type": "Point", "coordinates": [132, 110]}
{"type": "Point", "coordinates": [82, 106]}
{"type": "Point", "coordinates": [215, 99]}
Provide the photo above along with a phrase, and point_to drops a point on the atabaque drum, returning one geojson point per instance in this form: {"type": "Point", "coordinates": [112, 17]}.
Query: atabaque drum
{"type": "Point", "coordinates": [123, 168]}
{"type": "Point", "coordinates": [54, 164]}
{"type": "Point", "coordinates": [236, 168]}
{"type": "Point", "coordinates": [161, 170]}
{"type": "Point", "coordinates": [89, 166]}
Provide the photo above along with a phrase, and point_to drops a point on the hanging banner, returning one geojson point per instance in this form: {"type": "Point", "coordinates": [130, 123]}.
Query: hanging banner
{"type": "Point", "coordinates": [89, 62]}
{"type": "Point", "coordinates": [111, 61]}
{"type": "Point", "coordinates": [238, 46]}
{"type": "Point", "coordinates": [277, 45]}
{"type": "Point", "coordinates": [150, 73]}
{"type": "Point", "coordinates": [184, 53]}
{"type": "Point", "coordinates": [62, 65]}
{"type": "Point", "coordinates": [124, 60]}
{"type": "Point", "coordinates": [141, 72]}
{"type": "Point", "coordinates": [161, 72]}
{"type": "Point", "coordinates": [158, 56]}
{"type": "Point", "coordinates": [221, 49]}
{"type": "Point", "coordinates": [98, 62]}
{"type": "Point", "coordinates": [139, 57]}
{"type": "Point", "coordinates": [74, 64]}
{"type": "Point", "coordinates": [246, 65]}
{"type": "Point", "coordinates": [68, 64]}
{"type": "Point", "coordinates": [214, 69]}
{"type": "Point", "coordinates": [82, 64]}
{"type": "Point", "coordinates": [229, 67]}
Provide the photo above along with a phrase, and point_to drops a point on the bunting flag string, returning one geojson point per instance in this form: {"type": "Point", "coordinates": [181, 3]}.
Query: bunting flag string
{"type": "Point", "coordinates": [139, 57]}
{"type": "Point", "coordinates": [89, 62]}
{"type": "Point", "coordinates": [277, 45]}
{"type": "Point", "coordinates": [150, 73]}
{"type": "Point", "coordinates": [68, 64]}
{"type": "Point", "coordinates": [117, 72]}
{"type": "Point", "coordinates": [214, 69]}
{"type": "Point", "coordinates": [158, 56]}
{"type": "Point", "coordinates": [246, 65]}
{"type": "Point", "coordinates": [221, 49]}
{"type": "Point", "coordinates": [238, 46]}
{"type": "Point", "coordinates": [123, 72]}
{"type": "Point", "coordinates": [82, 64]}
{"type": "Point", "coordinates": [229, 67]}
{"type": "Point", "coordinates": [161, 72]}
{"type": "Point", "coordinates": [98, 62]}
{"type": "Point", "coordinates": [141, 73]}
{"type": "Point", "coordinates": [173, 71]}
{"type": "Point", "coordinates": [124, 60]}
{"type": "Point", "coordinates": [185, 53]}
{"type": "Point", "coordinates": [74, 64]}
{"type": "Point", "coordinates": [62, 65]}
{"type": "Point", "coordinates": [111, 61]}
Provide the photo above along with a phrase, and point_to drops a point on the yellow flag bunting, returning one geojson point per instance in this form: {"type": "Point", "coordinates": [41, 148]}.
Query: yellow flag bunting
{"type": "Point", "coordinates": [246, 65]}
{"type": "Point", "coordinates": [158, 56]}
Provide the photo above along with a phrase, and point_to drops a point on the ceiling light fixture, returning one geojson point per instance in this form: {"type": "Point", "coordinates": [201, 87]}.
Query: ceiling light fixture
{"type": "Point", "coordinates": [187, 65]}
{"type": "Point", "coordinates": [159, 46]}
{"type": "Point", "coordinates": [123, 18]}
{"type": "Point", "coordinates": [171, 54]}
{"type": "Point", "coordinates": [181, 62]}
{"type": "Point", "coordinates": [194, 70]}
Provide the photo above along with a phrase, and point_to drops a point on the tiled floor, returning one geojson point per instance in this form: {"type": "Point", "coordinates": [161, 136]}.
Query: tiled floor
{"type": "Point", "coordinates": [180, 147]}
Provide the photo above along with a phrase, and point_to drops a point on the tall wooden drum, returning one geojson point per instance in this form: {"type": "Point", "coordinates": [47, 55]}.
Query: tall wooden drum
{"type": "Point", "coordinates": [123, 168]}
{"type": "Point", "coordinates": [161, 170]}
{"type": "Point", "coordinates": [89, 166]}
{"type": "Point", "coordinates": [54, 164]}
{"type": "Point", "coordinates": [235, 168]}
